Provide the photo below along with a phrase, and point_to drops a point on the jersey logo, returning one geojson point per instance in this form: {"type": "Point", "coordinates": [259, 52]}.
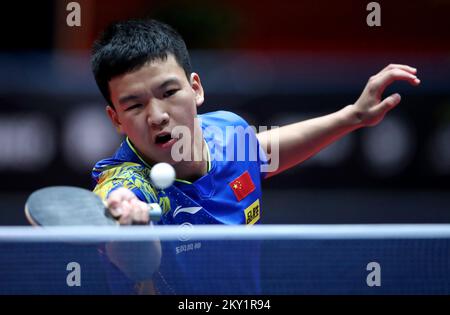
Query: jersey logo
{"type": "Point", "coordinates": [191, 210]}
{"type": "Point", "coordinates": [242, 186]}
{"type": "Point", "coordinates": [252, 213]}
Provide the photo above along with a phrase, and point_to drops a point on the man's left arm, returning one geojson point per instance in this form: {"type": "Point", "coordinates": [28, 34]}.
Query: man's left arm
{"type": "Point", "coordinates": [300, 141]}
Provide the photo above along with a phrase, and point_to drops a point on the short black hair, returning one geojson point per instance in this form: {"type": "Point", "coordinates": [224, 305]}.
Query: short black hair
{"type": "Point", "coordinates": [126, 46]}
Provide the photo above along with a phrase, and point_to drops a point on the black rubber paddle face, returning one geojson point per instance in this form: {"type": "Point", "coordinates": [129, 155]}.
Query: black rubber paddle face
{"type": "Point", "coordinates": [64, 205]}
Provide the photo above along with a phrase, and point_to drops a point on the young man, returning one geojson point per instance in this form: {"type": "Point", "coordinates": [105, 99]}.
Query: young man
{"type": "Point", "coordinates": [143, 70]}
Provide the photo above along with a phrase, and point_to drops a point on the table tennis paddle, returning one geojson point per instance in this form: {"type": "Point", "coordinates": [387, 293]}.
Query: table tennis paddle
{"type": "Point", "coordinates": [67, 205]}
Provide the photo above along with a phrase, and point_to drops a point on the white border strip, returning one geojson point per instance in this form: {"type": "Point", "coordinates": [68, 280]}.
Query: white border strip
{"type": "Point", "coordinates": [95, 234]}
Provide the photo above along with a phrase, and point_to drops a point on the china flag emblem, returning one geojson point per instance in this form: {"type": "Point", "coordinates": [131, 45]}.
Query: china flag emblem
{"type": "Point", "coordinates": [242, 186]}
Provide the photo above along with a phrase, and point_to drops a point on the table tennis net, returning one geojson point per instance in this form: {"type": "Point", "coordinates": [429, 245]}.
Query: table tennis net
{"type": "Point", "coordinates": [269, 260]}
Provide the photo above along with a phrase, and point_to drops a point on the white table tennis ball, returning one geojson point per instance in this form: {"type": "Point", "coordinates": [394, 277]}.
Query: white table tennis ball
{"type": "Point", "coordinates": [162, 175]}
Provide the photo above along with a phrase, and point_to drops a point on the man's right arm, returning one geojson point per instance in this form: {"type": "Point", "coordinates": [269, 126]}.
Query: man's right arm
{"type": "Point", "coordinates": [137, 260]}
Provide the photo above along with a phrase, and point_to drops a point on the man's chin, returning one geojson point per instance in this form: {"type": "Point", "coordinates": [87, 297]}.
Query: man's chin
{"type": "Point", "coordinates": [164, 158]}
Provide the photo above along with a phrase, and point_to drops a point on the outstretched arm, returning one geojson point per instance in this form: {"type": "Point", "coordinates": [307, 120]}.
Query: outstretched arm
{"type": "Point", "coordinates": [300, 141]}
{"type": "Point", "coordinates": [137, 260]}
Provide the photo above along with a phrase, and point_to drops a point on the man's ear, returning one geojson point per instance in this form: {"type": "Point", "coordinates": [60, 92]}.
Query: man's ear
{"type": "Point", "coordinates": [197, 88]}
{"type": "Point", "coordinates": [112, 114]}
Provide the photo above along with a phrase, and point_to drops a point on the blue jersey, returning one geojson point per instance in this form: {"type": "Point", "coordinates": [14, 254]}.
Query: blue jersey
{"type": "Point", "coordinates": [230, 193]}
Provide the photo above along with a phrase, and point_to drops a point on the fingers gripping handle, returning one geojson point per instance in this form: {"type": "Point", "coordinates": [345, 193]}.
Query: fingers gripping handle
{"type": "Point", "coordinates": [154, 212]}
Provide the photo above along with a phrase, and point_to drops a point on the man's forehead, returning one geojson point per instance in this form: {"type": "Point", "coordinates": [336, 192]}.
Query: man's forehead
{"type": "Point", "coordinates": [151, 75]}
{"type": "Point", "coordinates": [157, 69]}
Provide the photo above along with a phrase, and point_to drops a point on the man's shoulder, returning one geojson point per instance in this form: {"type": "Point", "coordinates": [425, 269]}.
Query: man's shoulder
{"type": "Point", "coordinates": [123, 158]}
{"type": "Point", "coordinates": [120, 169]}
{"type": "Point", "coordinates": [133, 176]}
{"type": "Point", "coordinates": [222, 118]}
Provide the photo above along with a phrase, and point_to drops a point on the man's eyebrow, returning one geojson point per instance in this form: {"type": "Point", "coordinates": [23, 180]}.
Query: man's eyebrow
{"type": "Point", "coordinates": [168, 82]}
{"type": "Point", "coordinates": [127, 98]}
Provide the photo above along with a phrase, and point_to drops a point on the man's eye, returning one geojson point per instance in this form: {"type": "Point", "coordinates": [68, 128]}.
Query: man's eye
{"type": "Point", "coordinates": [133, 107]}
{"type": "Point", "coordinates": [170, 92]}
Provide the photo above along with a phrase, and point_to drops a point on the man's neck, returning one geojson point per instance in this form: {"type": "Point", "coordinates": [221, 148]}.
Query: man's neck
{"type": "Point", "coordinates": [193, 170]}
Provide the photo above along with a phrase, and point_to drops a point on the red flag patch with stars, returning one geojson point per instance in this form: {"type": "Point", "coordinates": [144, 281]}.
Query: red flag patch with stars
{"type": "Point", "coordinates": [242, 186]}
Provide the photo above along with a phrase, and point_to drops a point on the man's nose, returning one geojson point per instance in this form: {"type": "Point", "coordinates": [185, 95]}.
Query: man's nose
{"type": "Point", "coordinates": [157, 116]}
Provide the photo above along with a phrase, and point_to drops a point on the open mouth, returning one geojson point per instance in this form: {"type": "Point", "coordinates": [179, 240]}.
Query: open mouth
{"type": "Point", "coordinates": [163, 138]}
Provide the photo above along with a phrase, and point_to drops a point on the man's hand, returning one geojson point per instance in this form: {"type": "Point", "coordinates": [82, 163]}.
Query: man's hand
{"type": "Point", "coordinates": [370, 108]}
{"type": "Point", "coordinates": [123, 205]}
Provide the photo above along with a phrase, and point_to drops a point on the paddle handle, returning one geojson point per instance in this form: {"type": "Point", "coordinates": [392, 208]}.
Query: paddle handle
{"type": "Point", "coordinates": [154, 212]}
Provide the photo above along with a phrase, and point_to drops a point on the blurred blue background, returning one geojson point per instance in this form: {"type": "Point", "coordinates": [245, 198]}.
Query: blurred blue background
{"type": "Point", "coordinates": [273, 63]}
